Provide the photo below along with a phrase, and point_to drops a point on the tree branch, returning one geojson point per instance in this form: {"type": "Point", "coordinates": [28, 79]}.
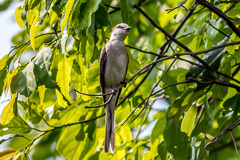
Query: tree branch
{"type": "Point", "coordinates": [220, 14]}
{"type": "Point", "coordinates": [214, 140]}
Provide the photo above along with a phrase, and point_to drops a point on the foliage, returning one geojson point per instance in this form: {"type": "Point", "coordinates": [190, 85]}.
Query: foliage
{"type": "Point", "coordinates": [182, 80]}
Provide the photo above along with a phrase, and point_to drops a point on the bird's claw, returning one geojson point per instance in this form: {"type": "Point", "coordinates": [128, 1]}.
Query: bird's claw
{"type": "Point", "coordinates": [124, 84]}
{"type": "Point", "coordinates": [114, 91]}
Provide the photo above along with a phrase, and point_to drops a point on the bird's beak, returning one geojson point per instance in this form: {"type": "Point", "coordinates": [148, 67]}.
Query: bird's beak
{"type": "Point", "coordinates": [127, 28]}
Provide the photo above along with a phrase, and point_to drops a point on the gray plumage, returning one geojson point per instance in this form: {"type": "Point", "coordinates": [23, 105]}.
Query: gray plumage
{"type": "Point", "coordinates": [113, 69]}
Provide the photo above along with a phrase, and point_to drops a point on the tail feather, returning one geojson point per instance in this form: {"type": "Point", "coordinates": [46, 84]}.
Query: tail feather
{"type": "Point", "coordinates": [112, 141]}
{"type": "Point", "coordinates": [109, 131]}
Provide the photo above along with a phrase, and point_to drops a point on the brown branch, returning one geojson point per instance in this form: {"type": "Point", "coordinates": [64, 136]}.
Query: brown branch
{"type": "Point", "coordinates": [235, 144]}
{"type": "Point", "coordinates": [179, 43]}
{"type": "Point", "coordinates": [223, 145]}
{"type": "Point", "coordinates": [162, 51]}
{"type": "Point", "coordinates": [154, 88]}
{"type": "Point", "coordinates": [210, 49]}
{"type": "Point", "coordinates": [220, 14]}
{"type": "Point", "coordinates": [215, 139]}
{"type": "Point", "coordinates": [148, 52]}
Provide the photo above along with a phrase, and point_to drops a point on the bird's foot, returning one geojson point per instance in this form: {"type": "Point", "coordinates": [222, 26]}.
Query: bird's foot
{"type": "Point", "coordinates": [114, 91]}
{"type": "Point", "coordinates": [124, 84]}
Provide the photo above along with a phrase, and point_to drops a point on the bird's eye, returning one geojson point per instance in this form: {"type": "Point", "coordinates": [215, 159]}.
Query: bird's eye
{"type": "Point", "coordinates": [120, 27]}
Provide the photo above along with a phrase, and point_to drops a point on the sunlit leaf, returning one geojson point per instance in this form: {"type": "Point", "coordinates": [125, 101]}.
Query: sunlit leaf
{"type": "Point", "coordinates": [16, 125]}
{"type": "Point", "coordinates": [18, 16]}
{"type": "Point", "coordinates": [24, 81]}
{"type": "Point", "coordinates": [7, 154]}
{"type": "Point", "coordinates": [158, 128]}
{"type": "Point", "coordinates": [66, 16]}
{"type": "Point", "coordinates": [188, 121]}
{"type": "Point", "coordinates": [32, 36]}
{"type": "Point", "coordinates": [3, 62]}
{"type": "Point", "coordinates": [42, 65]}
{"type": "Point", "coordinates": [8, 111]}
{"type": "Point", "coordinates": [63, 76]}
{"type": "Point", "coordinates": [14, 72]}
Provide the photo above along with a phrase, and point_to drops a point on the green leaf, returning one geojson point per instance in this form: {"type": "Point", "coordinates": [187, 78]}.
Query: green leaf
{"type": "Point", "coordinates": [48, 4]}
{"type": "Point", "coordinates": [176, 141]}
{"type": "Point", "coordinates": [41, 90]}
{"type": "Point", "coordinates": [102, 18]}
{"type": "Point", "coordinates": [17, 125]}
{"type": "Point", "coordinates": [181, 103]}
{"type": "Point", "coordinates": [198, 150]}
{"type": "Point", "coordinates": [188, 121]}
{"type": "Point", "coordinates": [86, 10]}
{"type": "Point", "coordinates": [92, 74]}
{"type": "Point", "coordinates": [18, 16]}
{"type": "Point", "coordinates": [35, 3]}
{"type": "Point", "coordinates": [158, 128]}
{"type": "Point", "coordinates": [162, 151]}
{"type": "Point", "coordinates": [124, 11]}
{"type": "Point", "coordinates": [24, 82]}
{"type": "Point", "coordinates": [212, 58]}
{"type": "Point", "coordinates": [78, 141]}
{"type": "Point", "coordinates": [3, 80]}
{"type": "Point", "coordinates": [8, 111]}
{"type": "Point", "coordinates": [171, 78]}
{"type": "Point", "coordinates": [42, 65]}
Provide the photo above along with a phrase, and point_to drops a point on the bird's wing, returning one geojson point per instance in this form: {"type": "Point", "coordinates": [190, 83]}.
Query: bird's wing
{"type": "Point", "coordinates": [103, 59]}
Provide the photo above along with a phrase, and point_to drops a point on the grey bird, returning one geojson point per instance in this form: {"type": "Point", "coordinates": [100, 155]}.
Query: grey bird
{"type": "Point", "coordinates": [113, 69]}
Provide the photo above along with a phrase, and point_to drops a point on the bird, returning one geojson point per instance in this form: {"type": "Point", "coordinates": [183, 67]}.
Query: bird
{"type": "Point", "coordinates": [113, 68]}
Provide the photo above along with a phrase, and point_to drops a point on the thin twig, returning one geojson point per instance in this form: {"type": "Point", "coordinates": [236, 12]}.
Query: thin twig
{"type": "Point", "coordinates": [217, 29]}
{"type": "Point", "coordinates": [148, 52]}
{"type": "Point", "coordinates": [104, 94]}
{"type": "Point", "coordinates": [215, 139]}
{"type": "Point", "coordinates": [101, 105]}
{"type": "Point", "coordinates": [181, 5]}
{"type": "Point", "coordinates": [234, 142]}
{"type": "Point", "coordinates": [143, 121]}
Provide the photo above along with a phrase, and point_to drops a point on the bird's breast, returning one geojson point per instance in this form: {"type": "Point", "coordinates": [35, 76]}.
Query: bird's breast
{"type": "Point", "coordinates": [116, 65]}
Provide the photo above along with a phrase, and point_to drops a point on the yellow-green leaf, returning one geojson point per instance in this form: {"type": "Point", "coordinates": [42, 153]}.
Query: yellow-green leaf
{"type": "Point", "coordinates": [60, 99]}
{"type": "Point", "coordinates": [32, 36]}
{"type": "Point", "coordinates": [3, 61]}
{"type": "Point", "coordinates": [18, 16]}
{"type": "Point", "coordinates": [8, 113]}
{"type": "Point", "coordinates": [33, 16]}
{"type": "Point", "coordinates": [14, 72]}
{"type": "Point", "coordinates": [189, 120]}
{"type": "Point", "coordinates": [68, 10]}
{"type": "Point", "coordinates": [7, 154]}
{"type": "Point", "coordinates": [41, 90]}
{"type": "Point", "coordinates": [63, 76]}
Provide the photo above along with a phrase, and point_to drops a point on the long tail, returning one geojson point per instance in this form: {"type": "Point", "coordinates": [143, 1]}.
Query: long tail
{"type": "Point", "coordinates": [109, 130]}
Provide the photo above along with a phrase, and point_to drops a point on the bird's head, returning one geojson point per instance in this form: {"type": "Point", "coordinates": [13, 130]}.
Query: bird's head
{"type": "Point", "coordinates": [120, 32]}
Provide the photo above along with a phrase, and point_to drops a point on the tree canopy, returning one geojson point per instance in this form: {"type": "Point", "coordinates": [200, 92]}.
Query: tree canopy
{"type": "Point", "coordinates": [181, 99]}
